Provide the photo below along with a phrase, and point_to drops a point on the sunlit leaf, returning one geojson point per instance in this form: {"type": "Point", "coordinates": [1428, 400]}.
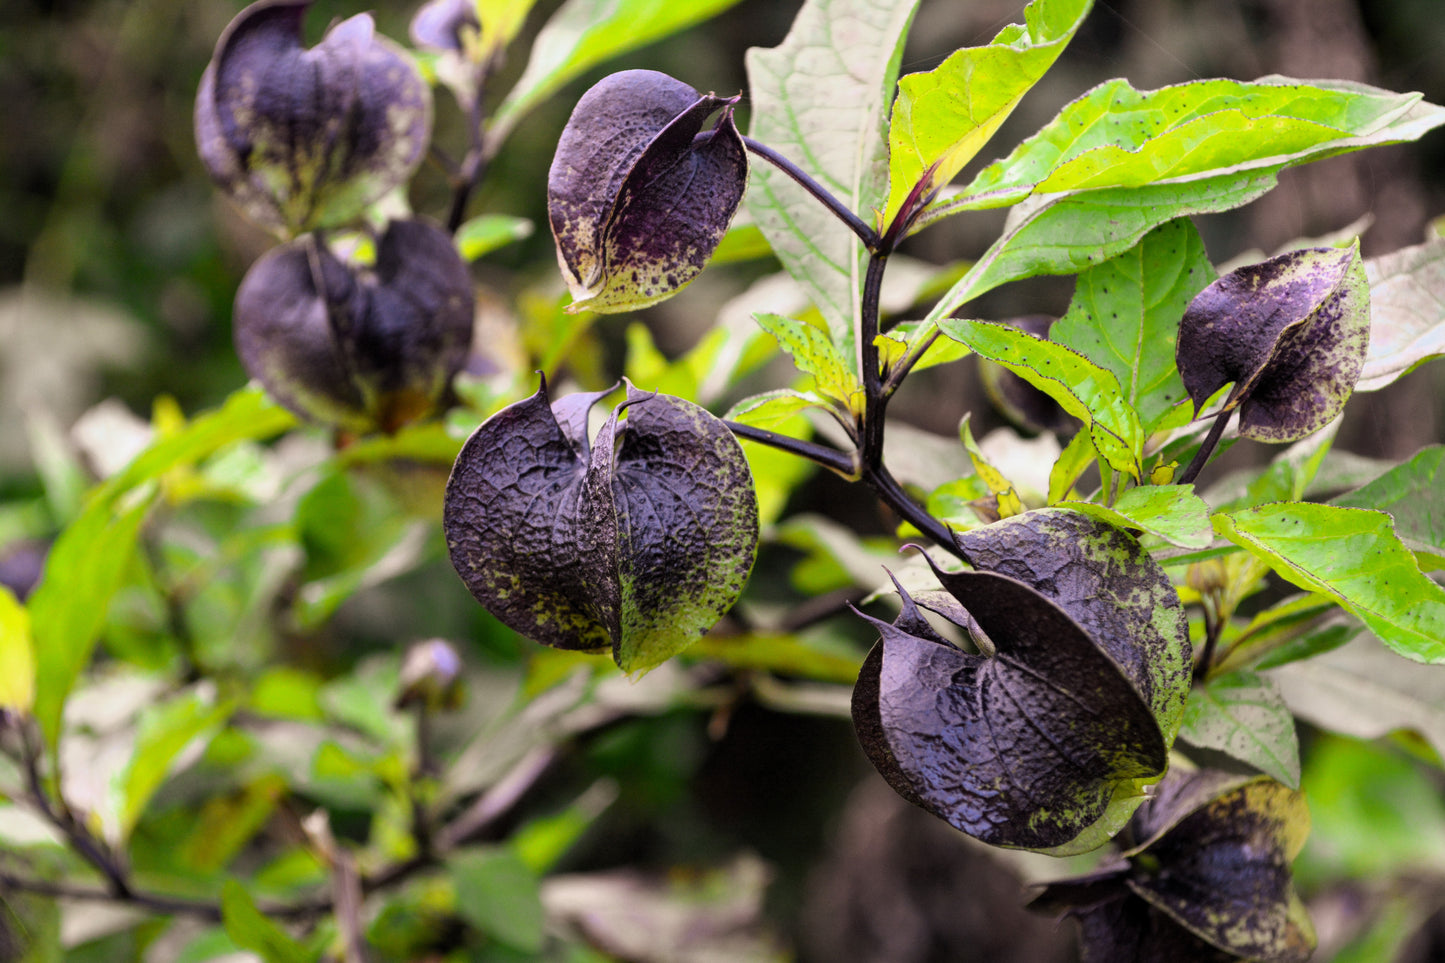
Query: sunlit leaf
{"type": "Point", "coordinates": [1242, 715]}
{"type": "Point", "coordinates": [814, 353]}
{"type": "Point", "coordinates": [1172, 512]}
{"type": "Point", "coordinates": [163, 734]}
{"type": "Point", "coordinates": [1088, 392]}
{"type": "Point", "coordinates": [17, 655]}
{"type": "Point", "coordinates": [821, 99]}
{"type": "Point", "coordinates": [1353, 556]}
{"type": "Point", "coordinates": [1145, 134]}
{"type": "Point", "coordinates": [943, 117]}
{"type": "Point", "coordinates": [482, 235]}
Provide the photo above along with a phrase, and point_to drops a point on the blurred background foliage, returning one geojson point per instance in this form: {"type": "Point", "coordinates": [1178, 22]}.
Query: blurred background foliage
{"type": "Point", "coordinates": [118, 265]}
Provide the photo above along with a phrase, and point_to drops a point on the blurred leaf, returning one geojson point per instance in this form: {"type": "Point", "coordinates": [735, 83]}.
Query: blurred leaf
{"type": "Point", "coordinates": [1361, 689]}
{"type": "Point", "coordinates": [1088, 392]}
{"type": "Point", "coordinates": [163, 734]}
{"type": "Point", "coordinates": [1242, 715]}
{"type": "Point", "coordinates": [501, 20]}
{"type": "Point", "coordinates": [284, 692]}
{"type": "Point", "coordinates": [743, 242]}
{"type": "Point", "coordinates": [1375, 813]}
{"type": "Point", "coordinates": [1125, 314]}
{"type": "Point", "coordinates": [1353, 556]}
{"type": "Point", "coordinates": [943, 117]}
{"type": "Point", "coordinates": [583, 33]}
{"type": "Point", "coordinates": [821, 99]}
{"type": "Point", "coordinates": [17, 655]}
{"type": "Point", "coordinates": [1407, 323]}
{"type": "Point", "coordinates": [499, 895]}
{"type": "Point", "coordinates": [250, 930]}
{"type": "Point", "coordinates": [482, 235]}
{"type": "Point", "coordinates": [226, 823]}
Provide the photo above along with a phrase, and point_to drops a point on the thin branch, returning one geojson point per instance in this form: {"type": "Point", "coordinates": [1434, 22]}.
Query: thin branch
{"type": "Point", "coordinates": [1201, 457]}
{"type": "Point", "coordinates": [887, 488]}
{"type": "Point", "coordinates": [856, 224]}
{"type": "Point", "coordinates": [830, 458]}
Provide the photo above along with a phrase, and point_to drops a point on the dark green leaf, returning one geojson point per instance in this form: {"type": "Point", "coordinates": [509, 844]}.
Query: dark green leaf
{"type": "Point", "coordinates": [253, 931]}
{"type": "Point", "coordinates": [638, 194]}
{"type": "Point", "coordinates": [1125, 314]}
{"type": "Point", "coordinates": [303, 139]}
{"type": "Point", "coordinates": [1290, 333]}
{"type": "Point", "coordinates": [499, 895]}
{"type": "Point", "coordinates": [639, 542]}
{"type": "Point", "coordinates": [1242, 715]}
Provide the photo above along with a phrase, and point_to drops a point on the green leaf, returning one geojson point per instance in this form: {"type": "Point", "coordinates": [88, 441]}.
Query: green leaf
{"type": "Point", "coordinates": [253, 931]}
{"type": "Point", "coordinates": [1242, 715]}
{"type": "Point", "coordinates": [86, 564]}
{"type": "Point", "coordinates": [1072, 462]}
{"type": "Point", "coordinates": [1407, 315]}
{"type": "Point", "coordinates": [1414, 495]}
{"type": "Point", "coordinates": [583, 33]}
{"type": "Point", "coordinates": [1172, 512]}
{"type": "Point", "coordinates": [1353, 556]}
{"type": "Point", "coordinates": [1088, 392]}
{"type": "Point", "coordinates": [814, 353]}
{"type": "Point", "coordinates": [1361, 689]}
{"type": "Point", "coordinates": [1111, 149]}
{"type": "Point", "coordinates": [1125, 315]}
{"type": "Point", "coordinates": [163, 734]}
{"type": "Point", "coordinates": [943, 117]}
{"type": "Point", "coordinates": [771, 408]}
{"type": "Point", "coordinates": [17, 655]}
{"type": "Point", "coordinates": [820, 98]}
{"type": "Point", "coordinates": [501, 20]}
{"type": "Point", "coordinates": [499, 895]}
{"type": "Point", "coordinates": [482, 235]}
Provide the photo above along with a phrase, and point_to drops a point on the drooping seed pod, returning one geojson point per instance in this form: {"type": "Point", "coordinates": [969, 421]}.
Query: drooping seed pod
{"type": "Point", "coordinates": [639, 195]}
{"type": "Point", "coordinates": [363, 347]}
{"type": "Point", "coordinates": [306, 138]}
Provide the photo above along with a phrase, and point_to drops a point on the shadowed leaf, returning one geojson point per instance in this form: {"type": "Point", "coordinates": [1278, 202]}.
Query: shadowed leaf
{"type": "Point", "coordinates": [1414, 495]}
{"type": "Point", "coordinates": [638, 194]}
{"type": "Point", "coordinates": [1242, 715]}
{"type": "Point", "coordinates": [1407, 315]}
{"type": "Point", "coordinates": [638, 542]}
{"type": "Point", "coordinates": [1289, 332]}
{"type": "Point", "coordinates": [306, 138]}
